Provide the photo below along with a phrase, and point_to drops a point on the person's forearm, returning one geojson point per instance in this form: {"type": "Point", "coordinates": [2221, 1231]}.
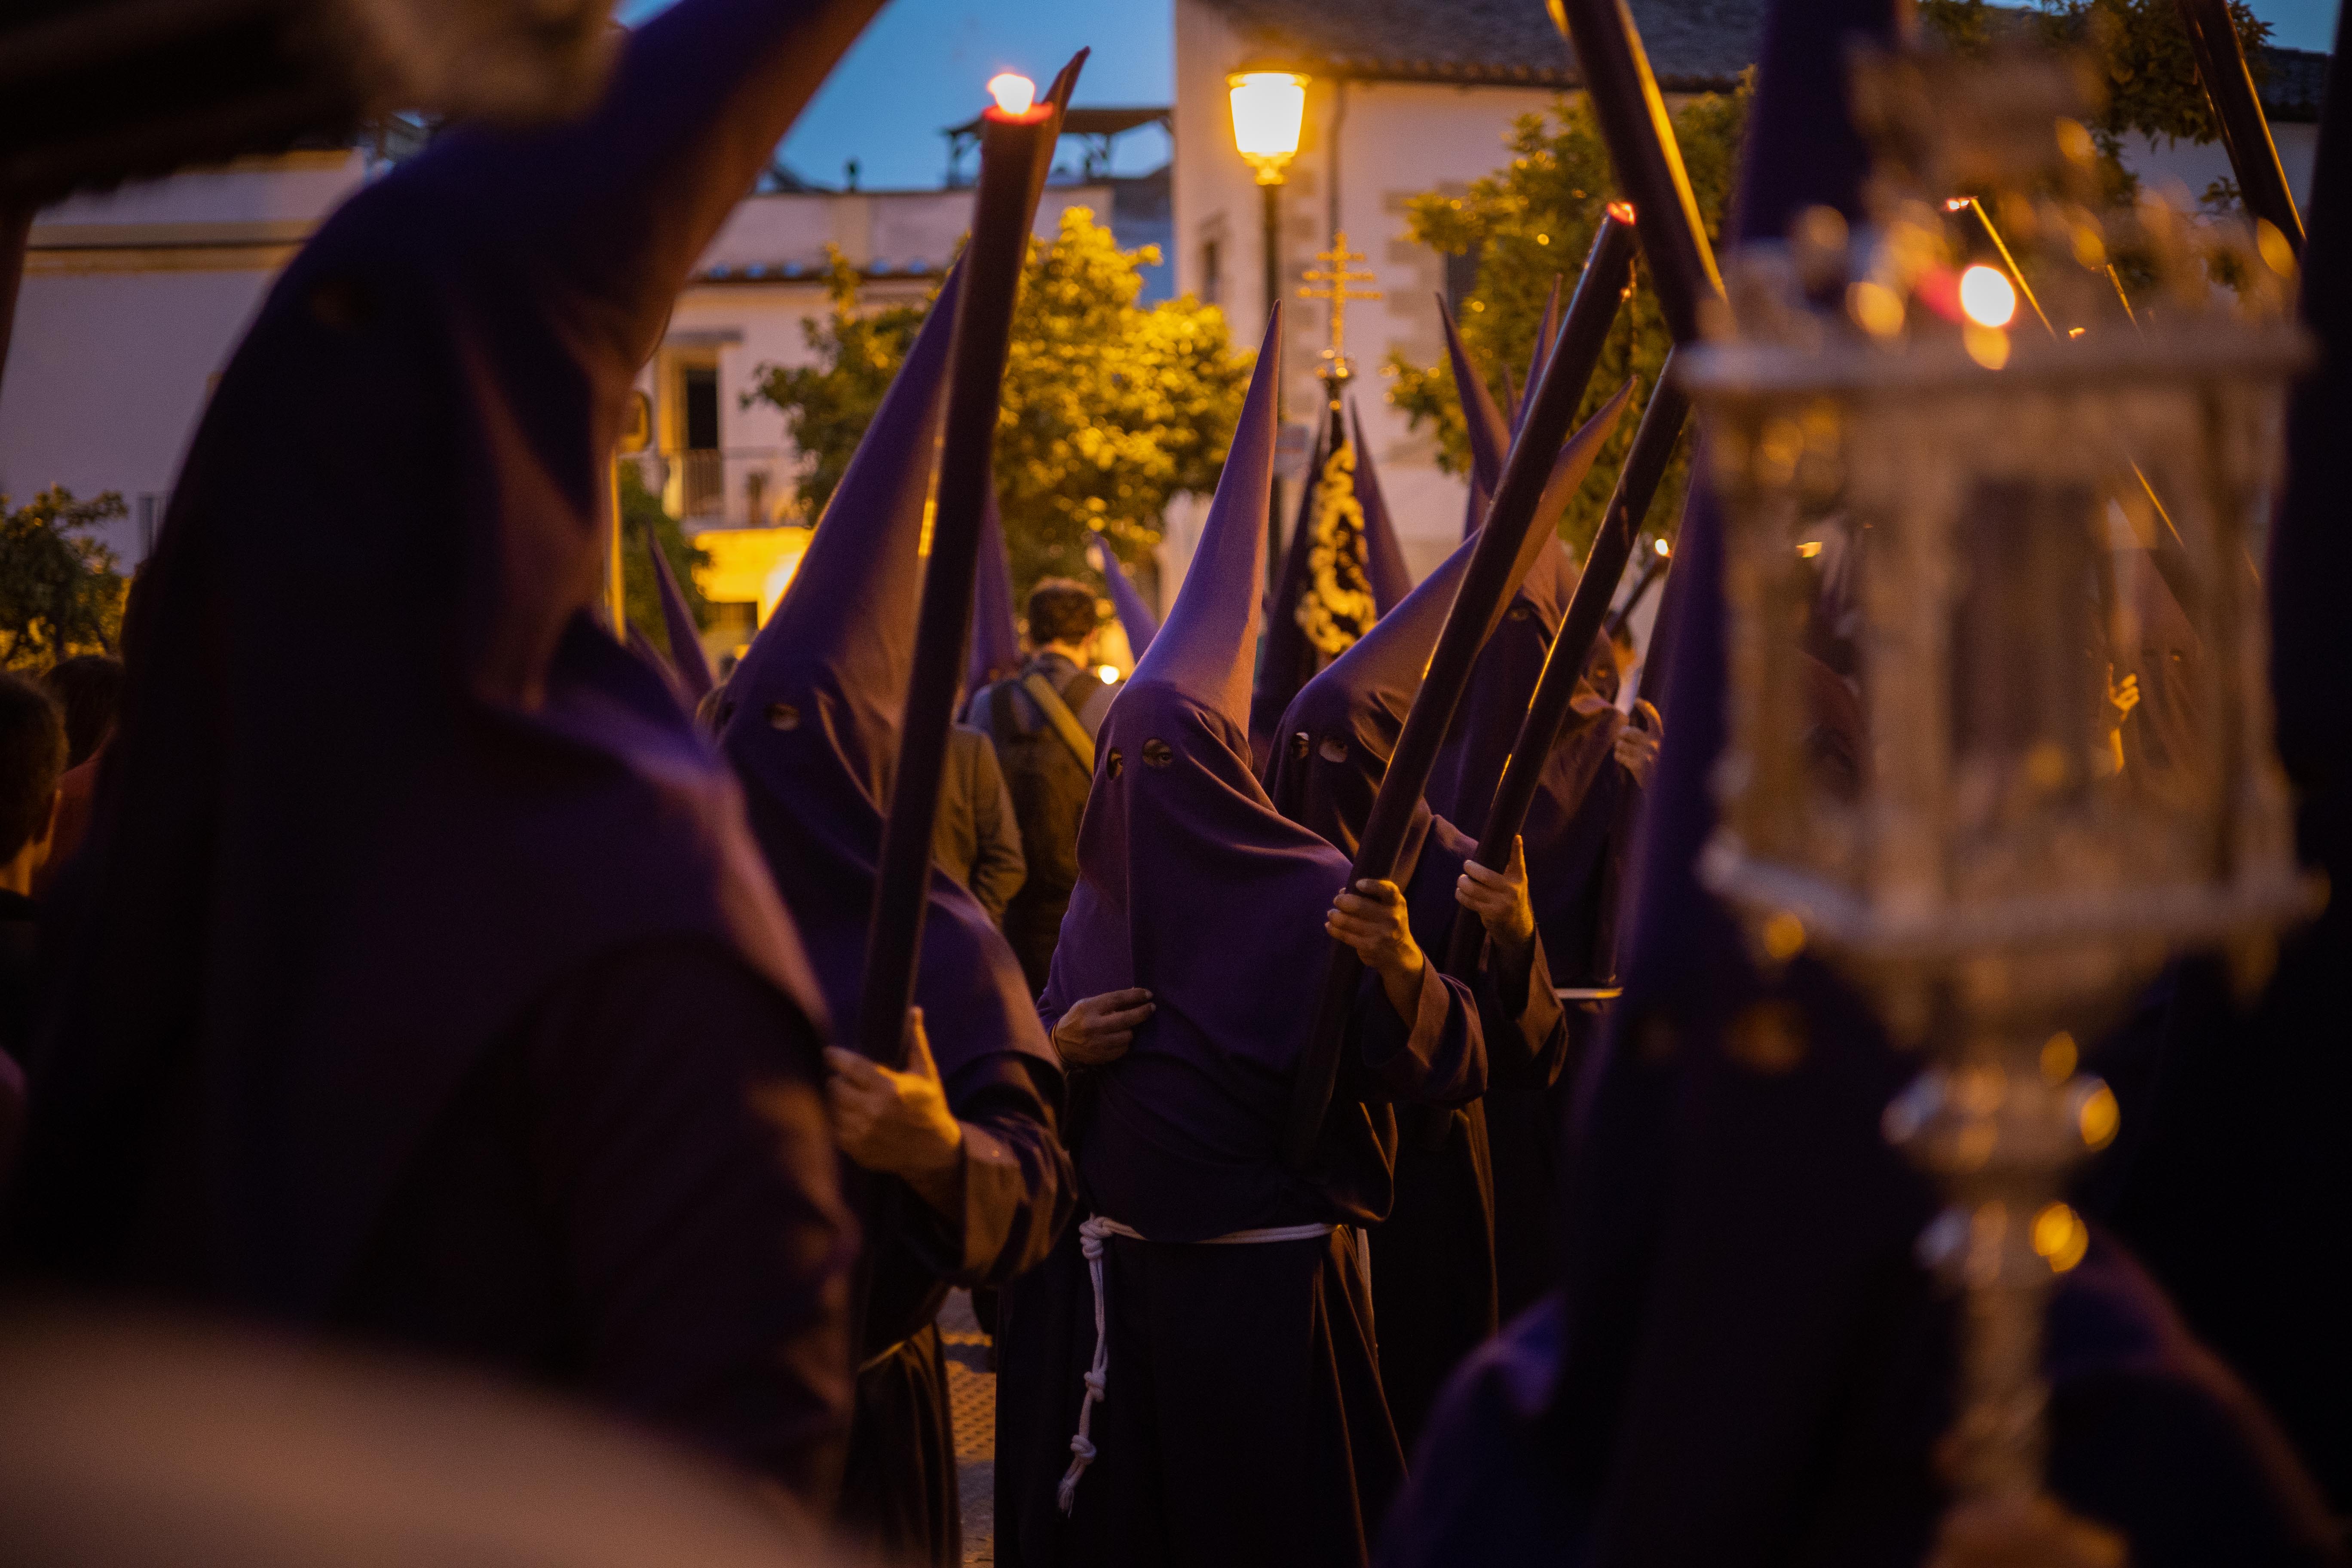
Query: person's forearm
{"type": "Point", "coordinates": [1401, 984]}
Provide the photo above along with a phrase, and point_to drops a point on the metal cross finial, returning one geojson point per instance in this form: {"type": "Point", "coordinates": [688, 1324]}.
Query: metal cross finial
{"type": "Point", "coordinates": [1336, 276]}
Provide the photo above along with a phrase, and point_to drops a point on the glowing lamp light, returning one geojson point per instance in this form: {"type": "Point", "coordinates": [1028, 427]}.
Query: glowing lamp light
{"type": "Point", "coordinates": [1268, 107]}
{"type": "Point", "coordinates": [1109, 673]}
{"type": "Point", "coordinates": [1622, 211]}
{"type": "Point", "coordinates": [1661, 547]}
{"type": "Point", "coordinates": [1013, 92]}
{"type": "Point", "coordinates": [1986, 296]}
{"type": "Point", "coordinates": [1957, 204]}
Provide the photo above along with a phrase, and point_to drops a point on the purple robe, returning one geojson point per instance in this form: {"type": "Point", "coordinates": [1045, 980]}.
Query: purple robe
{"type": "Point", "coordinates": [811, 725]}
{"type": "Point", "coordinates": [1242, 1420]}
{"type": "Point", "coordinates": [337, 917]}
{"type": "Point", "coordinates": [1441, 1252]}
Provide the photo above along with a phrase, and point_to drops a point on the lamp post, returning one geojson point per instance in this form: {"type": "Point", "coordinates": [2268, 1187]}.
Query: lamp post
{"type": "Point", "coordinates": [1268, 107]}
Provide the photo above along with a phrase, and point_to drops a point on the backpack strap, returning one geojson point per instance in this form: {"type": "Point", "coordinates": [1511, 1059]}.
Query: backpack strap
{"type": "Point", "coordinates": [1065, 723]}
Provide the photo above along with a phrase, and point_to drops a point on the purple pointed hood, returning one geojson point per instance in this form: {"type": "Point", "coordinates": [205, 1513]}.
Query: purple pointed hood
{"type": "Point", "coordinates": [1135, 616]}
{"type": "Point", "coordinates": [1546, 332]}
{"type": "Point", "coordinates": [1383, 557]}
{"type": "Point", "coordinates": [330, 923]}
{"type": "Point", "coordinates": [1470, 763]}
{"type": "Point", "coordinates": [1490, 433]}
{"type": "Point", "coordinates": [685, 655]}
{"type": "Point", "coordinates": [1339, 732]}
{"type": "Point", "coordinates": [995, 639]}
{"type": "Point", "coordinates": [812, 723]}
{"type": "Point", "coordinates": [1191, 884]}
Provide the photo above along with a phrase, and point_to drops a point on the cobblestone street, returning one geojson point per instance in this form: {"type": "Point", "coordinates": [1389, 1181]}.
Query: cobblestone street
{"type": "Point", "coordinates": [971, 1402]}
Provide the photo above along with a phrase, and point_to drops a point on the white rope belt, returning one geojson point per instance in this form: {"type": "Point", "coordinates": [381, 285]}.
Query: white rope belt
{"type": "Point", "coordinates": [1092, 1234]}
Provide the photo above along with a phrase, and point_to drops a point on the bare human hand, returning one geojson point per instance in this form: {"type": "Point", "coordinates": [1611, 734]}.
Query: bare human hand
{"type": "Point", "coordinates": [897, 1123]}
{"type": "Point", "coordinates": [1637, 743]}
{"type": "Point", "coordinates": [1098, 1029]}
{"type": "Point", "coordinates": [1499, 899]}
{"type": "Point", "coordinates": [1374, 921]}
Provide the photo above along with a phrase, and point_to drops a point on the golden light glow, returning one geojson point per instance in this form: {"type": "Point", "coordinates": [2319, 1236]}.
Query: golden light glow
{"type": "Point", "coordinates": [1267, 108]}
{"type": "Point", "coordinates": [1622, 211]}
{"type": "Point", "coordinates": [1808, 549]}
{"type": "Point", "coordinates": [2060, 1236]}
{"type": "Point", "coordinates": [2277, 254]}
{"type": "Point", "coordinates": [1784, 937]}
{"type": "Point", "coordinates": [1012, 91]}
{"type": "Point", "coordinates": [2058, 1057]}
{"type": "Point", "coordinates": [1988, 346]}
{"type": "Point", "coordinates": [1661, 547]}
{"type": "Point", "coordinates": [1875, 308]}
{"type": "Point", "coordinates": [1109, 672]}
{"type": "Point", "coordinates": [1986, 296]}
{"type": "Point", "coordinates": [2100, 1118]}
{"type": "Point", "coordinates": [1957, 204]}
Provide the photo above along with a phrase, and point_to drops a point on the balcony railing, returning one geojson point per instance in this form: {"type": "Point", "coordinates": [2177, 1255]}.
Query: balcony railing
{"type": "Point", "coordinates": [733, 487]}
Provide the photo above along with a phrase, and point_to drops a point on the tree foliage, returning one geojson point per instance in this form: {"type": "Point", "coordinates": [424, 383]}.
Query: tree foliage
{"type": "Point", "coordinates": [642, 509]}
{"type": "Point", "coordinates": [1110, 409]}
{"type": "Point", "coordinates": [1532, 221]}
{"type": "Point", "coordinates": [2145, 63]}
{"type": "Point", "coordinates": [59, 593]}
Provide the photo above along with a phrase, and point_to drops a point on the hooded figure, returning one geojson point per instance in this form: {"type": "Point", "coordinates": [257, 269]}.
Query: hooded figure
{"type": "Point", "coordinates": [1435, 1290]}
{"type": "Point", "coordinates": [1747, 1364]}
{"type": "Point", "coordinates": [462, 1015]}
{"type": "Point", "coordinates": [1578, 828]}
{"type": "Point", "coordinates": [1135, 616]}
{"type": "Point", "coordinates": [1206, 1436]}
{"type": "Point", "coordinates": [812, 727]}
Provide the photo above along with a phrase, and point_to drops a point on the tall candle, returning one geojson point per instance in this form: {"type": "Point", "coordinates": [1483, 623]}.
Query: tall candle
{"type": "Point", "coordinates": [1015, 136]}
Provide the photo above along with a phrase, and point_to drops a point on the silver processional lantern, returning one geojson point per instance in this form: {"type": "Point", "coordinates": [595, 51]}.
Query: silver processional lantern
{"type": "Point", "coordinates": [1963, 479]}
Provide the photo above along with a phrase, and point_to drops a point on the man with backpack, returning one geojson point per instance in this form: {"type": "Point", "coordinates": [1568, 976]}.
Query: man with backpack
{"type": "Point", "coordinates": [1042, 720]}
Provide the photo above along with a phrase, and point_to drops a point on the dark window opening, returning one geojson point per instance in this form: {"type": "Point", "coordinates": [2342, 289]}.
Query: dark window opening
{"type": "Point", "coordinates": [1213, 276]}
{"type": "Point", "coordinates": [699, 385]}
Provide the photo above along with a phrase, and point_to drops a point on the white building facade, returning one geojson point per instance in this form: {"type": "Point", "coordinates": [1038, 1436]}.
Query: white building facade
{"type": "Point", "coordinates": [1405, 99]}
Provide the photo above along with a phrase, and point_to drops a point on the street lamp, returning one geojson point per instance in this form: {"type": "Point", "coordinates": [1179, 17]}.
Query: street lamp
{"type": "Point", "coordinates": [1267, 108]}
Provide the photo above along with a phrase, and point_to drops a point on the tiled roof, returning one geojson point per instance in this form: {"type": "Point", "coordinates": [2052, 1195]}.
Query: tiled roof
{"type": "Point", "coordinates": [1691, 44]}
{"type": "Point", "coordinates": [2295, 83]}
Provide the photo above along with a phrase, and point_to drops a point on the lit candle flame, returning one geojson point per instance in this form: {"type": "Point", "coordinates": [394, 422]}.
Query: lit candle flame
{"type": "Point", "coordinates": [1013, 92]}
{"type": "Point", "coordinates": [1957, 204]}
{"type": "Point", "coordinates": [1986, 296]}
{"type": "Point", "coordinates": [1622, 211]}
{"type": "Point", "coordinates": [1662, 548]}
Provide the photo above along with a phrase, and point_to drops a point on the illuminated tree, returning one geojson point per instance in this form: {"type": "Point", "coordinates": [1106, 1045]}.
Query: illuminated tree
{"type": "Point", "coordinates": [1529, 222]}
{"type": "Point", "coordinates": [1110, 409]}
{"type": "Point", "coordinates": [59, 594]}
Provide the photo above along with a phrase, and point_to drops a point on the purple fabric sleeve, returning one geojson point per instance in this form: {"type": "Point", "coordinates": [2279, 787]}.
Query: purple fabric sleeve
{"type": "Point", "coordinates": [1439, 1060]}
{"type": "Point", "coordinates": [1017, 1186]}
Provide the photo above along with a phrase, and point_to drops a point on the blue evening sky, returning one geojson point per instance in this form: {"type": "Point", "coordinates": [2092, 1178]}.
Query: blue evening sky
{"type": "Point", "coordinates": [920, 68]}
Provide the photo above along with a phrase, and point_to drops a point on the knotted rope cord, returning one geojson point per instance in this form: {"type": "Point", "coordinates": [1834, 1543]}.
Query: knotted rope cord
{"type": "Point", "coordinates": [1092, 1233]}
